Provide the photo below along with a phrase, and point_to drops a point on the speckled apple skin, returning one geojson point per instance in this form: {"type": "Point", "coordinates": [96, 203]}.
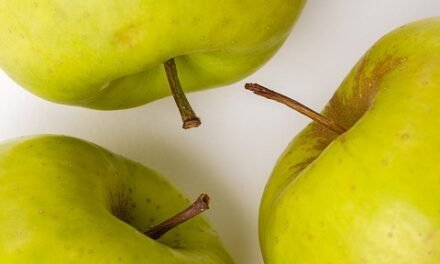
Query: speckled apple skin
{"type": "Point", "coordinates": [371, 195]}
{"type": "Point", "coordinates": [109, 54]}
{"type": "Point", "coordinates": [65, 200]}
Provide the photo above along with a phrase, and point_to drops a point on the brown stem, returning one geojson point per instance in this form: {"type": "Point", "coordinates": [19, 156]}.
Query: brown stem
{"type": "Point", "coordinates": [189, 117]}
{"type": "Point", "coordinates": [199, 206]}
{"type": "Point", "coordinates": [295, 105]}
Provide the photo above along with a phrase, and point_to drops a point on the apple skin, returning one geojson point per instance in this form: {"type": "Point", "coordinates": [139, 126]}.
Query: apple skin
{"type": "Point", "coordinates": [110, 55]}
{"type": "Point", "coordinates": [62, 200]}
{"type": "Point", "coordinates": [372, 194]}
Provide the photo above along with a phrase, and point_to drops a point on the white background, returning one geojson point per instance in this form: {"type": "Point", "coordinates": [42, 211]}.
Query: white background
{"type": "Point", "coordinates": [232, 154]}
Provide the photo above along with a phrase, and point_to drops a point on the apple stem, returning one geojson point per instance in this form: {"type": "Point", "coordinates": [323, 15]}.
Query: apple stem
{"type": "Point", "coordinates": [295, 105]}
{"type": "Point", "coordinates": [199, 206]}
{"type": "Point", "coordinates": [189, 117]}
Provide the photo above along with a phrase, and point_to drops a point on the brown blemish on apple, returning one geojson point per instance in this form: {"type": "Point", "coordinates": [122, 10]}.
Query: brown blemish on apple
{"type": "Point", "coordinates": [320, 142]}
{"type": "Point", "coordinates": [366, 84]}
{"type": "Point", "coordinates": [342, 139]}
{"type": "Point", "coordinates": [127, 36]}
{"type": "Point", "coordinates": [405, 136]}
{"type": "Point", "coordinates": [119, 205]}
{"type": "Point", "coordinates": [298, 167]}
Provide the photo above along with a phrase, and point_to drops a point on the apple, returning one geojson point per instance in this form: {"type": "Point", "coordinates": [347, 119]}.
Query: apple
{"type": "Point", "coordinates": [109, 54]}
{"type": "Point", "coordinates": [65, 200]}
{"type": "Point", "coordinates": [363, 185]}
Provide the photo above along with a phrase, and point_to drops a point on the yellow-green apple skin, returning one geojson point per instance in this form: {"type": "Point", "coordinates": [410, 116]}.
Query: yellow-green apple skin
{"type": "Point", "coordinates": [372, 194]}
{"type": "Point", "coordinates": [65, 200]}
{"type": "Point", "coordinates": [109, 54]}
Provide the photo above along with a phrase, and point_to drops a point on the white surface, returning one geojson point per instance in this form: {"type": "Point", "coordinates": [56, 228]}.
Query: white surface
{"type": "Point", "coordinates": [232, 154]}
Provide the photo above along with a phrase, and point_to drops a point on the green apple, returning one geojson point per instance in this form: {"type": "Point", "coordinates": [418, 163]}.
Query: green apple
{"type": "Point", "coordinates": [370, 194]}
{"type": "Point", "coordinates": [109, 54]}
{"type": "Point", "coordinates": [65, 200]}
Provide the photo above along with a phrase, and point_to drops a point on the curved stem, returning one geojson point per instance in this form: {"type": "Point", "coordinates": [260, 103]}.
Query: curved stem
{"type": "Point", "coordinates": [295, 105]}
{"type": "Point", "coordinates": [199, 206]}
{"type": "Point", "coordinates": [189, 117]}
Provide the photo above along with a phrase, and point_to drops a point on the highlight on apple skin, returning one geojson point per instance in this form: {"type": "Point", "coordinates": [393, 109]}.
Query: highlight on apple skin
{"type": "Point", "coordinates": [371, 194]}
{"type": "Point", "coordinates": [110, 54]}
{"type": "Point", "coordinates": [65, 200]}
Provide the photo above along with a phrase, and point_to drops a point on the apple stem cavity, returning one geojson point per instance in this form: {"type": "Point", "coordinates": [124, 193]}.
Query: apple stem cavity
{"type": "Point", "coordinates": [189, 117]}
{"type": "Point", "coordinates": [295, 105]}
{"type": "Point", "coordinates": [196, 208]}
